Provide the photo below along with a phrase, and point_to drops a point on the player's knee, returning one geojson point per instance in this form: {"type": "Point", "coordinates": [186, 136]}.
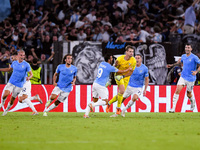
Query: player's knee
{"type": "Point", "coordinates": [57, 102]}
{"type": "Point", "coordinates": [95, 99]}
{"type": "Point", "coordinates": [23, 97]}
{"type": "Point", "coordinates": [6, 93]}
{"type": "Point", "coordinates": [134, 100]}
{"type": "Point", "coordinates": [177, 92]}
{"type": "Point", "coordinates": [122, 91]}
{"type": "Point", "coordinates": [20, 99]}
{"type": "Point", "coordinates": [189, 94]}
{"type": "Point", "coordinates": [135, 97]}
{"type": "Point", "coordinates": [106, 100]}
{"type": "Point", "coordinates": [53, 96]}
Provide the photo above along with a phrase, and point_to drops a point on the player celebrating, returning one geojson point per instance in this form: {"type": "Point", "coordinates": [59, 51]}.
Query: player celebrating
{"type": "Point", "coordinates": [67, 77]}
{"type": "Point", "coordinates": [123, 62]}
{"type": "Point", "coordinates": [139, 78]}
{"type": "Point", "coordinates": [99, 85]}
{"type": "Point", "coordinates": [25, 92]}
{"type": "Point", "coordinates": [188, 76]}
{"type": "Point", "coordinates": [17, 79]}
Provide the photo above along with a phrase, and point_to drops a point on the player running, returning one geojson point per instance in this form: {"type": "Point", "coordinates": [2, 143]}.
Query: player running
{"type": "Point", "coordinates": [138, 79]}
{"type": "Point", "coordinates": [99, 85]}
{"type": "Point", "coordinates": [123, 62]}
{"type": "Point", "coordinates": [15, 84]}
{"type": "Point", "coordinates": [188, 76]}
{"type": "Point", "coordinates": [67, 77]}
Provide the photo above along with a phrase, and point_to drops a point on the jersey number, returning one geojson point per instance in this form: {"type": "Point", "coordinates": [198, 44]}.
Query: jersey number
{"type": "Point", "coordinates": [100, 71]}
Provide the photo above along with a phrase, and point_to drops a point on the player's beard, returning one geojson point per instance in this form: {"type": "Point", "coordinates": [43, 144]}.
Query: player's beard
{"type": "Point", "coordinates": [187, 52]}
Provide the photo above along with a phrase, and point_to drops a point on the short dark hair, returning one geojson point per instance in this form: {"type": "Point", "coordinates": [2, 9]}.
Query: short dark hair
{"type": "Point", "coordinates": [188, 44]}
{"type": "Point", "coordinates": [139, 55]}
{"type": "Point", "coordinates": [128, 46]}
{"type": "Point", "coordinates": [107, 56]}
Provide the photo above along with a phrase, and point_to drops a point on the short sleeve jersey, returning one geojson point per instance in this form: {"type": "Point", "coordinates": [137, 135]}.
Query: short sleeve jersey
{"type": "Point", "coordinates": [138, 76]}
{"type": "Point", "coordinates": [189, 65]}
{"type": "Point", "coordinates": [19, 74]}
{"type": "Point", "coordinates": [66, 76]}
{"type": "Point", "coordinates": [104, 71]}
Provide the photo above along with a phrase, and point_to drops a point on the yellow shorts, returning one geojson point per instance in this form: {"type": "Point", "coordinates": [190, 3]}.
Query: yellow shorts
{"type": "Point", "coordinates": [123, 82]}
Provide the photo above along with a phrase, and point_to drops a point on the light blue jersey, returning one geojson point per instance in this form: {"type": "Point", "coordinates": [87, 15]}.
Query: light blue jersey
{"type": "Point", "coordinates": [189, 65]}
{"type": "Point", "coordinates": [18, 77]}
{"type": "Point", "coordinates": [104, 71]}
{"type": "Point", "coordinates": [138, 76]}
{"type": "Point", "coordinates": [66, 76]}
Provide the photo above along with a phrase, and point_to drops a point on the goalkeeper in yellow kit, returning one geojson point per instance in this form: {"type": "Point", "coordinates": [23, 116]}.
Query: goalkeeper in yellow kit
{"type": "Point", "coordinates": [123, 62]}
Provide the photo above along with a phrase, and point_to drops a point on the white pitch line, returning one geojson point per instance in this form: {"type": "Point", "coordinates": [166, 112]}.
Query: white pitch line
{"type": "Point", "coordinates": [55, 142]}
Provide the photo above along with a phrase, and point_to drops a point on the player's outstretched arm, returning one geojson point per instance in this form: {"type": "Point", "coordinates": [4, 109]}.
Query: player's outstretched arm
{"type": "Point", "coordinates": [172, 65]}
{"type": "Point", "coordinates": [6, 69]}
{"type": "Point", "coordinates": [195, 2]}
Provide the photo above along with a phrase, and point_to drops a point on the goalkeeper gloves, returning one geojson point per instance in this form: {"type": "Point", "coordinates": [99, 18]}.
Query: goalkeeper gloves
{"type": "Point", "coordinates": [119, 77]}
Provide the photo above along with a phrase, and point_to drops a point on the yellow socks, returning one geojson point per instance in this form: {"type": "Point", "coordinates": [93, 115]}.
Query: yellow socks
{"type": "Point", "coordinates": [114, 99]}
{"type": "Point", "coordinates": [119, 98]}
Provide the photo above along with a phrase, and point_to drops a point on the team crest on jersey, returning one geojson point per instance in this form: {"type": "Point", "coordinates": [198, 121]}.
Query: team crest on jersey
{"type": "Point", "coordinates": [190, 59]}
{"type": "Point", "coordinates": [140, 71]}
{"type": "Point", "coordinates": [22, 66]}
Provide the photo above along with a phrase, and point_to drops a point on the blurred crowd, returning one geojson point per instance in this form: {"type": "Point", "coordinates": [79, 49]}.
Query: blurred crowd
{"type": "Point", "coordinates": [34, 25]}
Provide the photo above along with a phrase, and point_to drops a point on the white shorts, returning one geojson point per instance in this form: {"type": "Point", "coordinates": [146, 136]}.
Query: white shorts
{"type": "Point", "coordinates": [132, 90]}
{"type": "Point", "coordinates": [99, 90]}
{"type": "Point", "coordinates": [62, 95]}
{"type": "Point", "coordinates": [26, 89]}
{"type": "Point", "coordinates": [184, 82]}
{"type": "Point", "coordinates": [13, 89]}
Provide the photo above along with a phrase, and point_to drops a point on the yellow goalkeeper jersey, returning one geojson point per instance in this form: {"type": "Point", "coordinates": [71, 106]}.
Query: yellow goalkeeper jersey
{"type": "Point", "coordinates": [125, 64]}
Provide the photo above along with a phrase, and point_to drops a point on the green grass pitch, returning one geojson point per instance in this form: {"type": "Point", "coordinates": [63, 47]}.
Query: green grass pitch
{"type": "Point", "coordinates": [70, 131]}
